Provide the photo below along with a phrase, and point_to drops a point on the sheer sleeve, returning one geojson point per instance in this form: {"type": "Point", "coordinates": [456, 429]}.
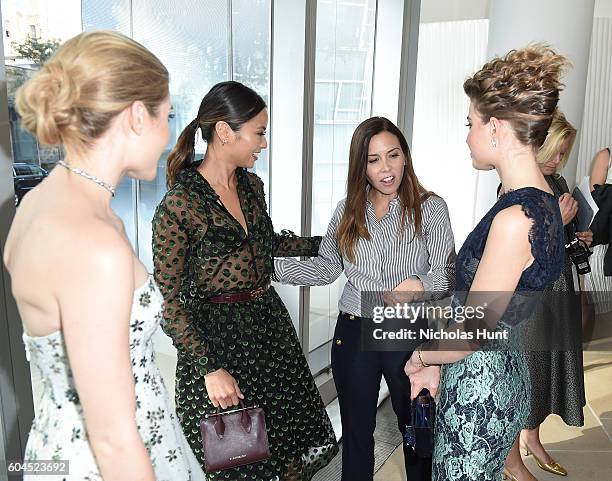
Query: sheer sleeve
{"type": "Point", "coordinates": [170, 254]}
{"type": "Point", "coordinates": [286, 244]}
{"type": "Point", "coordinates": [323, 269]}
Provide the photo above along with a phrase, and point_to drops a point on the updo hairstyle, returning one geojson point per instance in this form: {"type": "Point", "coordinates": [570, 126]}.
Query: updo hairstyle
{"type": "Point", "coordinates": [522, 88]}
{"type": "Point", "coordinates": [89, 80]}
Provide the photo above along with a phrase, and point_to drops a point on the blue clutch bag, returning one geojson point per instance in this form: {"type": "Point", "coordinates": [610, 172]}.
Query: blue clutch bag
{"type": "Point", "coordinates": [418, 434]}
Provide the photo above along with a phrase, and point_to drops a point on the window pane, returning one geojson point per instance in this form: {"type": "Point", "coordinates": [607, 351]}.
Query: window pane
{"type": "Point", "coordinates": [251, 59]}
{"type": "Point", "coordinates": [46, 22]}
{"type": "Point", "coordinates": [343, 90]}
{"type": "Point", "coordinates": [197, 58]}
{"type": "Point", "coordinates": [115, 15]}
{"type": "Point", "coordinates": [110, 14]}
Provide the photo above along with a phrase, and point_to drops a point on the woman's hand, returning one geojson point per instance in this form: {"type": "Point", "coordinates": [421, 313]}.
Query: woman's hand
{"type": "Point", "coordinates": [413, 365]}
{"type": "Point", "coordinates": [569, 208]}
{"type": "Point", "coordinates": [425, 378]}
{"type": "Point", "coordinates": [408, 290]}
{"type": "Point", "coordinates": [222, 389]}
{"type": "Point", "coordinates": [586, 237]}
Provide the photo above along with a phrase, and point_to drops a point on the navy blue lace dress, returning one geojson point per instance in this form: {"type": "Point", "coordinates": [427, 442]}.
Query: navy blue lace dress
{"type": "Point", "coordinates": [485, 398]}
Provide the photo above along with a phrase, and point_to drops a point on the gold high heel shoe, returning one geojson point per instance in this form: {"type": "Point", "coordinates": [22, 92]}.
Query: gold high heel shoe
{"type": "Point", "coordinates": [507, 476]}
{"type": "Point", "coordinates": [552, 467]}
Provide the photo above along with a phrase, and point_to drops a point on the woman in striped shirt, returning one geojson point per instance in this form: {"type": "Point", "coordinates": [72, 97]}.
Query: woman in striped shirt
{"type": "Point", "coordinates": [389, 234]}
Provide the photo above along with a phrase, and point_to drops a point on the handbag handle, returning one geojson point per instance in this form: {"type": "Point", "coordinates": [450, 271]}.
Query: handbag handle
{"type": "Point", "coordinates": [245, 420]}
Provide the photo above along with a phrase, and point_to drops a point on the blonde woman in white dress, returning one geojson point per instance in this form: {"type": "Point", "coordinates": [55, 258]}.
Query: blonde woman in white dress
{"type": "Point", "coordinates": [88, 305]}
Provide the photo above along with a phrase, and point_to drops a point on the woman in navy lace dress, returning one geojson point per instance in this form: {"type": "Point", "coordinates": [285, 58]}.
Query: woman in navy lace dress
{"type": "Point", "coordinates": [515, 251]}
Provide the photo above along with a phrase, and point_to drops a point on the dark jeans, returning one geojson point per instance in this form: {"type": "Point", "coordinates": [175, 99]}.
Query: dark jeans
{"type": "Point", "coordinates": [357, 375]}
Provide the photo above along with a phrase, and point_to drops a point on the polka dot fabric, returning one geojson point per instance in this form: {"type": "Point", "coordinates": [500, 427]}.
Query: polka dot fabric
{"type": "Point", "coordinates": [200, 251]}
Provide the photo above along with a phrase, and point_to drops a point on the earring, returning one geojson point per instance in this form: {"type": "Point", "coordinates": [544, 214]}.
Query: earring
{"type": "Point", "coordinates": [493, 143]}
{"type": "Point", "coordinates": [224, 141]}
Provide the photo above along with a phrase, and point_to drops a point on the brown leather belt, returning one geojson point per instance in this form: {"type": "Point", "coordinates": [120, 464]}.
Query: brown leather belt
{"type": "Point", "coordinates": [244, 296]}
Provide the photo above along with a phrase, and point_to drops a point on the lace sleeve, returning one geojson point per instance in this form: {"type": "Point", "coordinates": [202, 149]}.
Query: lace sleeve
{"type": "Point", "coordinates": [170, 253]}
{"type": "Point", "coordinates": [287, 244]}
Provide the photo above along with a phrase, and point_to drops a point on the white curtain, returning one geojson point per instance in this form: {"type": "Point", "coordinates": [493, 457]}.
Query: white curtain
{"type": "Point", "coordinates": [596, 132]}
{"type": "Point", "coordinates": [449, 52]}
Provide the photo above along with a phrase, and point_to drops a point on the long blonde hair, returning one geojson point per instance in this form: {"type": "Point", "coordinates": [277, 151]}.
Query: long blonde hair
{"type": "Point", "coordinates": [85, 84]}
{"type": "Point", "coordinates": [560, 130]}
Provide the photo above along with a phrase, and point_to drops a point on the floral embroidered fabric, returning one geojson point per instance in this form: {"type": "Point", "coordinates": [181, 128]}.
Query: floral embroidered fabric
{"type": "Point", "coordinates": [59, 432]}
{"type": "Point", "coordinates": [484, 398]}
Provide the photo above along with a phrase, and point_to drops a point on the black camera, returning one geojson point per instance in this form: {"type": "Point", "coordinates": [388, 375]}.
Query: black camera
{"type": "Point", "coordinates": [579, 253]}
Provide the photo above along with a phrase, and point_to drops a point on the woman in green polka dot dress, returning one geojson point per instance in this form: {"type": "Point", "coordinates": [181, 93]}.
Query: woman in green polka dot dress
{"type": "Point", "coordinates": [213, 249]}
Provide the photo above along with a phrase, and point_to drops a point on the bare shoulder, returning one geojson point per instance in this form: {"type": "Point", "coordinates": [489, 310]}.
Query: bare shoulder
{"type": "Point", "coordinates": [100, 246]}
{"type": "Point", "coordinates": [53, 246]}
{"type": "Point", "coordinates": [507, 247]}
{"type": "Point", "coordinates": [603, 154]}
{"type": "Point", "coordinates": [57, 261]}
{"type": "Point", "coordinates": [511, 222]}
{"type": "Point", "coordinates": [601, 159]}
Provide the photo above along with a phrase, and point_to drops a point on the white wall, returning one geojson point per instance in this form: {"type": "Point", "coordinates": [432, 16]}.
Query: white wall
{"type": "Point", "coordinates": [565, 25]}
{"type": "Point", "coordinates": [453, 10]}
{"type": "Point", "coordinates": [449, 52]}
{"type": "Point", "coordinates": [386, 67]}
{"type": "Point", "coordinates": [596, 131]}
{"type": "Point", "coordinates": [603, 8]}
{"type": "Point", "coordinates": [286, 128]}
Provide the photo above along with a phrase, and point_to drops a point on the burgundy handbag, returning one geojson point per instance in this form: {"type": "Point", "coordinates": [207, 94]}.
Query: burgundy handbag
{"type": "Point", "coordinates": [234, 438]}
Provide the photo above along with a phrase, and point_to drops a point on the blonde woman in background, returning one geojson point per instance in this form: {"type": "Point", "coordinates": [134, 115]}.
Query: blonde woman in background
{"type": "Point", "coordinates": [88, 305]}
{"type": "Point", "coordinates": [555, 370]}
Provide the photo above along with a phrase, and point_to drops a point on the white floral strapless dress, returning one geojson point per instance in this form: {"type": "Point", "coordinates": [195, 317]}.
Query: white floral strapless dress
{"type": "Point", "coordinates": [59, 432]}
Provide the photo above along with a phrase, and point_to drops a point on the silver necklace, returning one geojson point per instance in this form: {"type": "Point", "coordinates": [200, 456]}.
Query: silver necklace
{"type": "Point", "coordinates": [101, 183]}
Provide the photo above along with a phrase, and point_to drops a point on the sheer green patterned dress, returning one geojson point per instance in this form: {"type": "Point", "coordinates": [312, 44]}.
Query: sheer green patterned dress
{"type": "Point", "coordinates": [200, 251]}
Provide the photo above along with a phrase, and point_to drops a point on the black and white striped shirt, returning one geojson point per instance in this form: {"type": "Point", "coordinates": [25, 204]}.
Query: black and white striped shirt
{"type": "Point", "coordinates": [385, 260]}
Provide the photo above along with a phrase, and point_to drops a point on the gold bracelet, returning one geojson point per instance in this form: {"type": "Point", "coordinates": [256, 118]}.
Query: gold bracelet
{"type": "Point", "coordinates": [421, 359]}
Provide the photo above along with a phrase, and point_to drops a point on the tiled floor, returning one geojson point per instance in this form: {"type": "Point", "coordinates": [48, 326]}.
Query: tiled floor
{"type": "Point", "coordinates": [586, 452]}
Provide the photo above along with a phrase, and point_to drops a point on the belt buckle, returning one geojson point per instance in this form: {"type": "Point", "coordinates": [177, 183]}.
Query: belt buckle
{"type": "Point", "coordinates": [255, 293]}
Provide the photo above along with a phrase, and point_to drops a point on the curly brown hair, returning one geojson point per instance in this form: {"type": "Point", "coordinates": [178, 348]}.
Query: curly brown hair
{"type": "Point", "coordinates": [521, 87]}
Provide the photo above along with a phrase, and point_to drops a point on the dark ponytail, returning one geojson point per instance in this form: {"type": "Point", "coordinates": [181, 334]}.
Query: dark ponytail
{"type": "Point", "coordinates": [182, 154]}
{"type": "Point", "coordinates": [230, 102]}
